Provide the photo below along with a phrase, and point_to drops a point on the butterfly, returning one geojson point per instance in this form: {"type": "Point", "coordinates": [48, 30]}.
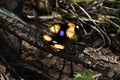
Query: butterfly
{"type": "Point", "coordinates": [61, 33]}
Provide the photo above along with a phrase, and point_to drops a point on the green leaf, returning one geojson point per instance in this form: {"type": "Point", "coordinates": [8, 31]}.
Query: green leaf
{"type": "Point", "coordinates": [77, 1]}
{"type": "Point", "coordinates": [7, 13]}
{"type": "Point", "coordinates": [114, 1]}
{"type": "Point", "coordinates": [66, 14]}
{"type": "Point", "coordinates": [113, 23]}
{"type": "Point", "coordinates": [87, 75]}
{"type": "Point", "coordinates": [78, 77]}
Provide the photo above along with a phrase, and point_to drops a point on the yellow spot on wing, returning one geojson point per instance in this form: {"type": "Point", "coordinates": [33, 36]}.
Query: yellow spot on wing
{"type": "Point", "coordinates": [47, 38]}
{"type": "Point", "coordinates": [55, 28]}
{"type": "Point", "coordinates": [70, 33]}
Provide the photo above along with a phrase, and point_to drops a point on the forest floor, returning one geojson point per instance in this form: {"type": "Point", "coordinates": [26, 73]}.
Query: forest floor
{"type": "Point", "coordinates": [100, 26]}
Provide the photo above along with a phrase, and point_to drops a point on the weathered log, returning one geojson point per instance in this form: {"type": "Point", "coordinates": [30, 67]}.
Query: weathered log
{"type": "Point", "coordinates": [102, 60]}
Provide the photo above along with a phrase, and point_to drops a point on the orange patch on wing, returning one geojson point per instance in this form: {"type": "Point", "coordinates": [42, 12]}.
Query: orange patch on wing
{"type": "Point", "coordinates": [71, 25]}
{"type": "Point", "coordinates": [58, 46]}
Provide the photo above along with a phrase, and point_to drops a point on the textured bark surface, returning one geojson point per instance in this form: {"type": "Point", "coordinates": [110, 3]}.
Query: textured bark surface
{"type": "Point", "coordinates": [24, 53]}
